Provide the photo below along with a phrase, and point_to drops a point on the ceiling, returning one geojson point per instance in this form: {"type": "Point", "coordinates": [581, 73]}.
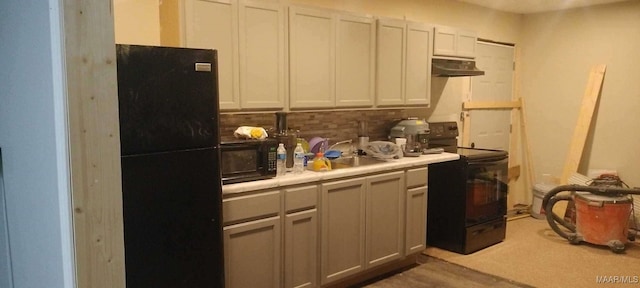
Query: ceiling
{"type": "Point", "coordinates": [535, 6]}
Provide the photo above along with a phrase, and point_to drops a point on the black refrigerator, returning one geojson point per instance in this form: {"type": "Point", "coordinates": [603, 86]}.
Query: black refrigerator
{"type": "Point", "coordinates": [171, 185]}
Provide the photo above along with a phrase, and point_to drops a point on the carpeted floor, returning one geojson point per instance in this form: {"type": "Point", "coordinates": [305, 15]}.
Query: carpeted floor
{"type": "Point", "coordinates": [535, 255]}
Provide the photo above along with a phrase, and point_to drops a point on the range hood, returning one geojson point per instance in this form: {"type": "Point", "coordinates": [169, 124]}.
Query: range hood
{"type": "Point", "coordinates": [454, 68]}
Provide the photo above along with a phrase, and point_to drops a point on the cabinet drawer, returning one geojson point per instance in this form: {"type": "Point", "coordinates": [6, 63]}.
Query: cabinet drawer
{"type": "Point", "coordinates": [300, 198]}
{"type": "Point", "coordinates": [251, 207]}
{"type": "Point", "coordinates": [417, 177]}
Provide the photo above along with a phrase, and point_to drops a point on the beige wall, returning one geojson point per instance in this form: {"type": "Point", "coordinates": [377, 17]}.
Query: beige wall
{"type": "Point", "coordinates": [137, 22]}
{"type": "Point", "coordinates": [558, 49]}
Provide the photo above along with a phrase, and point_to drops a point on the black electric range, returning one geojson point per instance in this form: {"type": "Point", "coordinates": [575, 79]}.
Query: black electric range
{"type": "Point", "coordinates": [467, 203]}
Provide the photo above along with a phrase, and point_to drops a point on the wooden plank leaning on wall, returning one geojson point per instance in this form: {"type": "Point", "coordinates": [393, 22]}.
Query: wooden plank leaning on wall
{"type": "Point", "coordinates": [589, 101]}
{"type": "Point", "coordinates": [90, 62]}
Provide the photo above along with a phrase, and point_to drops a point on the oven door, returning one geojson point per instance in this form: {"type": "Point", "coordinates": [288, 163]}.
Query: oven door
{"type": "Point", "coordinates": [241, 162]}
{"type": "Point", "coordinates": [486, 190]}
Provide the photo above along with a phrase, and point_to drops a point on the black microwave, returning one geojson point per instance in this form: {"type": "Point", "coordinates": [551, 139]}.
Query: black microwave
{"type": "Point", "coordinates": [248, 160]}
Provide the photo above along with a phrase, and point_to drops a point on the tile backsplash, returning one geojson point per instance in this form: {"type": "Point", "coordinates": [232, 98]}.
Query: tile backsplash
{"type": "Point", "coordinates": [335, 125]}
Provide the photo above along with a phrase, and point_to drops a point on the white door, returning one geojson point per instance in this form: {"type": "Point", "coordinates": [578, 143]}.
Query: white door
{"type": "Point", "coordinates": [490, 129]}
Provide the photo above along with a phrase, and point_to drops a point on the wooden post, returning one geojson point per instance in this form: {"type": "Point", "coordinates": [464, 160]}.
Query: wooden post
{"type": "Point", "coordinates": [94, 140]}
{"type": "Point", "coordinates": [525, 139]}
{"type": "Point", "coordinates": [466, 127]}
{"type": "Point", "coordinates": [490, 105]}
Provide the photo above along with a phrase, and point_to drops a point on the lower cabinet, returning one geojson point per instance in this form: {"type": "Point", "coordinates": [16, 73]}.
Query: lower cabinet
{"type": "Point", "coordinates": [271, 238]}
{"type": "Point", "coordinates": [416, 211]}
{"type": "Point", "coordinates": [362, 224]}
{"type": "Point", "coordinates": [300, 249]}
{"type": "Point", "coordinates": [285, 237]}
{"type": "Point", "coordinates": [252, 254]}
{"type": "Point", "coordinates": [416, 220]}
{"type": "Point", "coordinates": [385, 218]}
{"type": "Point", "coordinates": [301, 237]}
{"type": "Point", "coordinates": [253, 239]}
{"type": "Point", "coordinates": [342, 229]}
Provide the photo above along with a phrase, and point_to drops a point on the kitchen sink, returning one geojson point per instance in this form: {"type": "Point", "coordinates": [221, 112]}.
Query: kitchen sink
{"type": "Point", "coordinates": [349, 162]}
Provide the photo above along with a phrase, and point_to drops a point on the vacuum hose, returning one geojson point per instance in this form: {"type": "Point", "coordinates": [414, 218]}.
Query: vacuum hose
{"type": "Point", "coordinates": [551, 199]}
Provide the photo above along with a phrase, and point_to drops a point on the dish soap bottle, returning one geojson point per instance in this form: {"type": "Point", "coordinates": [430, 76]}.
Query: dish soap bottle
{"type": "Point", "coordinates": [320, 163]}
{"type": "Point", "coordinates": [281, 160]}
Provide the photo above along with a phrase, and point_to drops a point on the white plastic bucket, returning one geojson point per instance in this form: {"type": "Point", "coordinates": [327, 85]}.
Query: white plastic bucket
{"type": "Point", "coordinates": [539, 191]}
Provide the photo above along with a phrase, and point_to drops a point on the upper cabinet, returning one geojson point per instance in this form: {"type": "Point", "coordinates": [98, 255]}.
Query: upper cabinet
{"type": "Point", "coordinates": [262, 46]}
{"type": "Point", "coordinates": [454, 42]}
{"type": "Point", "coordinates": [403, 63]}
{"type": "Point", "coordinates": [355, 61]}
{"type": "Point", "coordinates": [276, 56]}
{"type": "Point", "coordinates": [392, 36]}
{"type": "Point", "coordinates": [250, 37]}
{"type": "Point", "coordinates": [418, 68]}
{"type": "Point", "coordinates": [214, 25]}
{"type": "Point", "coordinates": [331, 59]}
{"type": "Point", "coordinates": [312, 56]}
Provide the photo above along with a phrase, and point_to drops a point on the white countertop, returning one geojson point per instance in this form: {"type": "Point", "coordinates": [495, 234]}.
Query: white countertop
{"type": "Point", "coordinates": [311, 176]}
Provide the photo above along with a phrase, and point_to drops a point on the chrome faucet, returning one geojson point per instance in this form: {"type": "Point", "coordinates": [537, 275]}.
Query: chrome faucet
{"type": "Point", "coordinates": [351, 148]}
{"type": "Point", "coordinates": [340, 142]}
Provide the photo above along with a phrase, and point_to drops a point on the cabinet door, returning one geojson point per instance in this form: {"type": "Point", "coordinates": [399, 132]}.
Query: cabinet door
{"type": "Point", "coordinates": [214, 25]}
{"type": "Point", "coordinates": [467, 43]}
{"type": "Point", "coordinates": [416, 226]}
{"type": "Point", "coordinates": [418, 64]}
{"type": "Point", "coordinates": [312, 58]}
{"type": "Point", "coordinates": [343, 229]}
{"type": "Point", "coordinates": [390, 62]}
{"type": "Point", "coordinates": [300, 249]}
{"type": "Point", "coordinates": [262, 54]}
{"type": "Point", "coordinates": [445, 41]}
{"type": "Point", "coordinates": [385, 218]}
{"type": "Point", "coordinates": [355, 61]}
{"type": "Point", "coordinates": [252, 254]}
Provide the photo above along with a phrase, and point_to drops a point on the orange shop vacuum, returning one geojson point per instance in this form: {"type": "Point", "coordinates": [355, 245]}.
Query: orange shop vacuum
{"type": "Point", "coordinates": [602, 214]}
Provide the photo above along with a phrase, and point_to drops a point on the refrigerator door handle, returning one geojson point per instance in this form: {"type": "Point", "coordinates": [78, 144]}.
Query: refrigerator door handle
{"type": "Point", "coordinates": [203, 67]}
